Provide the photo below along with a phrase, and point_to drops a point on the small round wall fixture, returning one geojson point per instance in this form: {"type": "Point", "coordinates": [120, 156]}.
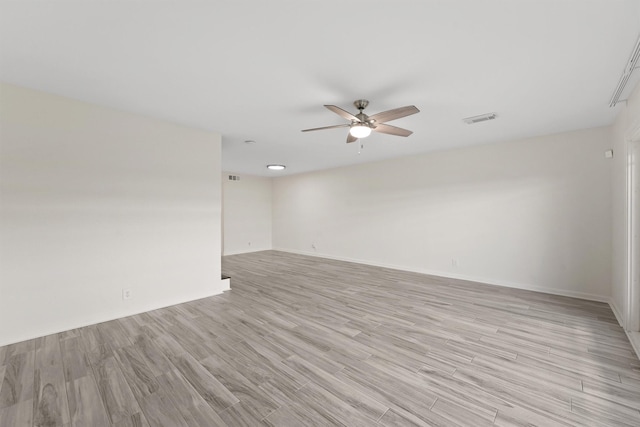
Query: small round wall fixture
{"type": "Point", "coordinates": [276, 167]}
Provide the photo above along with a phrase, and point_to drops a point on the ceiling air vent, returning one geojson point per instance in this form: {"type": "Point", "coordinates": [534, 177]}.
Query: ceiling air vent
{"type": "Point", "coordinates": [629, 79]}
{"type": "Point", "coordinates": [480, 118]}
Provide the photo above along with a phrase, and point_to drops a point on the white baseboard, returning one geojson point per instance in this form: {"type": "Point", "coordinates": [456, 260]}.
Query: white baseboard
{"type": "Point", "coordinates": [616, 312]}
{"type": "Point", "coordinates": [634, 337]}
{"type": "Point", "coordinates": [223, 286]}
{"type": "Point", "coordinates": [248, 251]}
{"type": "Point", "coordinates": [448, 275]}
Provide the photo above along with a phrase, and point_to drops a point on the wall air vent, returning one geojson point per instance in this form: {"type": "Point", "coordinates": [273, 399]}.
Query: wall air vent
{"type": "Point", "coordinates": [629, 79]}
{"type": "Point", "coordinates": [480, 118]}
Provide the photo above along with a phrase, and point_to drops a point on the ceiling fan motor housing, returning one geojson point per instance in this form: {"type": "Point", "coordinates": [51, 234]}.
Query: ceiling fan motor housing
{"type": "Point", "coordinates": [363, 120]}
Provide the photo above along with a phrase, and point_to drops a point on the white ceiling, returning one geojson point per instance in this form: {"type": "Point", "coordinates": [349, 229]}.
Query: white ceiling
{"type": "Point", "coordinates": [262, 70]}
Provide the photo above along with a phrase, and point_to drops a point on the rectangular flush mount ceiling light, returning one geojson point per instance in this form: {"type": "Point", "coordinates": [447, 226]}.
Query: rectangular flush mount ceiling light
{"type": "Point", "coordinates": [480, 118]}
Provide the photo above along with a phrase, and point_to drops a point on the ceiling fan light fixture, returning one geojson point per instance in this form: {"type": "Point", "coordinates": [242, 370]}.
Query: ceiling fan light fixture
{"type": "Point", "coordinates": [360, 131]}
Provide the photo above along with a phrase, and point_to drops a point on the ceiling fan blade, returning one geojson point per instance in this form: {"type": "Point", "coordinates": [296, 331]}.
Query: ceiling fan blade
{"type": "Point", "coordinates": [396, 113]}
{"type": "Point", "coordinates": [392, 130]}
{"type": "Point", "coordinates": [327, 127]}
{"type": "Point", "coordinates": [351, 138]}
{"type": "Point", "coordinates": [342, 113]}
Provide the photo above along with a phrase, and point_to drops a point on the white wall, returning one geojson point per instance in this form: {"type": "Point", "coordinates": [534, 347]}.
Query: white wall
{"type": "Point", "coordinates": [95, 200]}
{"type": "Point", "coordinates": [533, 214]}
{"type": "Point", "coordinates": [246, 211]}
{"type": "Point", "coordinates": [629, 116]}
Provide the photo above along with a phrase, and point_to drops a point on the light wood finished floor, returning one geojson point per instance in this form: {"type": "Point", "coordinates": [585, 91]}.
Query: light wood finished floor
{"type": "Point", "coordinates": [303, 341]}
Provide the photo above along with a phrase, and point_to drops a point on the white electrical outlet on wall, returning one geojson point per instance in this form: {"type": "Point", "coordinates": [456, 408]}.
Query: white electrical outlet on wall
{"type": "Point", "coordinates": [126, 294]}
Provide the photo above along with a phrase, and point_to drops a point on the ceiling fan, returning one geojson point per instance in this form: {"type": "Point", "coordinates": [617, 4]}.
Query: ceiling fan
{"type": "Point", "coordinates": [361, 125]}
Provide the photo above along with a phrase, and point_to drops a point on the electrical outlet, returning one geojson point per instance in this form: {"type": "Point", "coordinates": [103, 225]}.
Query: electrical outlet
{"type": "Point", "coordinates": [454, 263]}
{"type": "Point", "coordinates": [313, 246]}
{"type": "Point", "coordinates": [126, 294]}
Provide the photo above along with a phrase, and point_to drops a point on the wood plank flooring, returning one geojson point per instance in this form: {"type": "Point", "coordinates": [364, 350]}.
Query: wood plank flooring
{"type": "Point", "coordinates": [302, 341]}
